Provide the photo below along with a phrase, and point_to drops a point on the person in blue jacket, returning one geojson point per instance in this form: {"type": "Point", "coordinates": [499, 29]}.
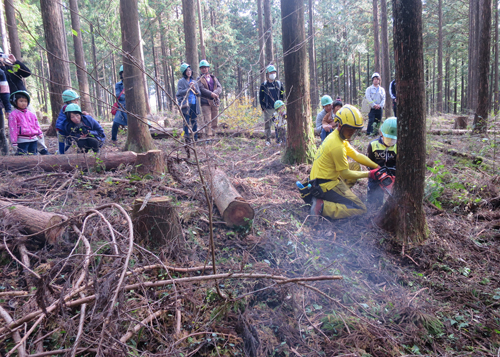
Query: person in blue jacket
{"type": "Point", "coordinates": [121, 115]}
{"type": "Point", "coordinates": [83, 130]}
{"type": "Point", "coordinates": [68, 96]}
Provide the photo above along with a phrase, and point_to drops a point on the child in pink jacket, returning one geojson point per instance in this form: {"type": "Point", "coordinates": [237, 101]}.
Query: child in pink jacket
{"type": "Point", "coordinates": [23, 125]}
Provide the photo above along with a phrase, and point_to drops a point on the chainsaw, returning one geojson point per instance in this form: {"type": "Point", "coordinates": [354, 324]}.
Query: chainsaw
{"type": "Point", "coordinates": [386, 177]}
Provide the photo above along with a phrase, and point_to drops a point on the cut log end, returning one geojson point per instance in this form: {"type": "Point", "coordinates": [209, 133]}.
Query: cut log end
{"type": "Point", "coordinates": [238, 213]}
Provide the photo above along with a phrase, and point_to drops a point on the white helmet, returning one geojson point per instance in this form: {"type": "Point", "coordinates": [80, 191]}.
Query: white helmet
{"type": "Point", "coordinates": [375, 75]}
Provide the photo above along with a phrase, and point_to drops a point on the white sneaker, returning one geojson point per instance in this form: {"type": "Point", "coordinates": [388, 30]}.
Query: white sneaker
{"type": "Point", "coordinates": [268, 143]}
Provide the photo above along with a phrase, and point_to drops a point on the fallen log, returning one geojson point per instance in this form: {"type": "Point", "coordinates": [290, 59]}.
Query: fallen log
{"type": "Point", "coordinates": [234, 209]}
{"type": "Point", "coordinates": [176, 132]}
{"type": "Point", "coordinates": [457, 132]}
{"type": "Point", "coordinates": [107, 161]}
{"type": "Point", "coordinates": [476, 160]}
{"type": "Point", "coordinates": [32, 221]}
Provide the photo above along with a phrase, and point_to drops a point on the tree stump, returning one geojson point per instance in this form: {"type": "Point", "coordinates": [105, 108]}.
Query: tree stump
{"type": "Point", "coordinates": [32, 221]}
{"type": "Point", "coordinates": [460, 123]}
{"type": "Point", "coordinates": [151, 162]}
{"type": "Point", "coordinates": [39, 116]}
{"type": "Point", "coordinates": [157, 225]}
{"type": "Point", "coordinates": [234, 209]}
{"type": "Point", "coordinates": [45, 119]}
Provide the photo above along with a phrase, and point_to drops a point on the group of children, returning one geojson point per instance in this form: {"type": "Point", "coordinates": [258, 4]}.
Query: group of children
{"type": "Point", "coordinates": [73, 126]}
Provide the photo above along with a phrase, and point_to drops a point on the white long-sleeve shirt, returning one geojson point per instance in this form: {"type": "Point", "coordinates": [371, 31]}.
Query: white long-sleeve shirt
{"type": "Point", "coordinates": [375, 95]}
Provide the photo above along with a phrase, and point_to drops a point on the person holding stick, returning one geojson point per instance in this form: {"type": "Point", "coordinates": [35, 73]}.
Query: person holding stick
{"type": "Point", "coordinates": [188, 93]}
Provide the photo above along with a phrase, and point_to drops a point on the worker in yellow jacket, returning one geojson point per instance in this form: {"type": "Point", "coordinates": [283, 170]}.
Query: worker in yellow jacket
{"type": "Point", "coordinates": [332, 176]}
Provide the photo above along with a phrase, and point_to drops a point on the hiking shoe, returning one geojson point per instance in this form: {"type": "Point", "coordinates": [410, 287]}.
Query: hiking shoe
{"type": "Point", "coordinates": [268, 143]}
{"type": "Point", "coordinates": [316, 207]}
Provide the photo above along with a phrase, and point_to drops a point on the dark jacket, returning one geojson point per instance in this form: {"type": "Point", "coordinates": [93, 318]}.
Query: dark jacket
{"type": "Point", "coordinates": [89, 124]}
{"type": "Point", "coordinates": [382, 155]}
{"type": "Point", "coordinates": [206, 93]}
{"type": "Point", "coordinates": [392, 89]}
{"type": "Point", "coordinates": [15, 75]}
{"type": "Point", "coordinates": [269, 93]}
{"type": "Point", "coordinates": [183, 96]}
{"type": "Point", "coordinates": [120, 116]}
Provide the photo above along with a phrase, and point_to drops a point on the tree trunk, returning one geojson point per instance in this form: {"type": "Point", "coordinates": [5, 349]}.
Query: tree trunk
{"type": "Point", "coordinates": [109, 161]}
{"type": "Point", "coordinates": [81, 68]}
{"type": "Point", "coordinates": [233, 208]}
{"type": "Point", "coordinates": [57, 57]}
{"type": "Point", "coordinates": [268, 30]}
{"type": "Point", "coordinates": [188, 13]}
{"type": "Point", "coordinates": [164, 61]}
{"type": "Point", "coordinates": [262, 49]}
{"type": "Point", "coordinates": [496, 95]}
{"type": "Point", "coordinates": [43, 80]}
{"type": "Point", "coordinates": [455, 99]}
{"type": "Point", "coordinates": [3, 30]}
{"type": "Point", "coordinates": [157, 76]}
{"type": "Point", "coordinates": [300, 146]}
{"type": "Point", "coordinates": [473, 81]}
{"type": "Point", "coordinates": [32, 221]}
{"type": "Point", "coordinates": [404, 214]}
{"type": "Point", "coordinates": [200, 26]}
{"type": "Point", "coordinates": [95, 73]}
{"type": "Point", "coordinates": [376, 43]}
{"type": "Point", "coordinates": [157, 223]}
{"type": "Point", "coordinates": [138, 138]}
{"type": "Point", "coordinates": [353, 82]}
{"type": "Point", "coordinates": [10, 15]}
{"type": "Point", "coordinates": [439, 93]}
{"type": "Point", "coordinates": [386, 71]}
{"type": "Point", "coordinates": [312, 64]}
{"type": "Point", "coordinates": [480, 124]}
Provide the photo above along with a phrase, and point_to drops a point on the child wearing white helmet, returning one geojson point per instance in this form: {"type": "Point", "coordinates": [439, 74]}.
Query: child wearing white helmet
{"type": "Point", "coordinates": [383, 152]}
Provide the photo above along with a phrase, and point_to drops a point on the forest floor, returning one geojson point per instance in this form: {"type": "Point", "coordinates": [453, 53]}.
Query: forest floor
{"type": "Point", "coordinates": [439, 298]}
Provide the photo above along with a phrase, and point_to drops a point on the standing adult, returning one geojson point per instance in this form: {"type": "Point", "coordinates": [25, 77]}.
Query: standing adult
{"type": "Point", "coordinates": [210, 90]}
{"type": "Point", "coordinates": [375, 95]}
{"type": "Point", "coordinates": [270, 91]}
{"type": "Point", "coordinates": [392, 92]}
{"type": "Point", "coordinates": [120, 116]}
{"type": "Point", "coordinates": [187, 95]}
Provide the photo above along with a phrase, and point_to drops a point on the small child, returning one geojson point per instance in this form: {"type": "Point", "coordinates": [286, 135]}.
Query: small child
{"type": "Point", "coordinates": [329, 124]}
{"type": "Point", "coordinates": [68, 96]}
{"type": "Point", "coordinates": [82, 129]}
{"type": "Point", "coordinates": [383, 152]}
{"type": "Point", "coordinates": [280, 122]}
{"type": "Point", "coordinates": [24, 128]}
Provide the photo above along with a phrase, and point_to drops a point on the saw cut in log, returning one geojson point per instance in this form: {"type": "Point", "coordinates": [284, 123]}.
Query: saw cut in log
{"type": "Point", "coordinates": [32, 221]}
{"type": "Point", "coordinates": [107, 161]}
{"type": "Point", "coordinates": [157, 224]}
{"type": "Point", "coordinates": [151, 162]}
{"type": "Point", "coordinates": [233, 208]}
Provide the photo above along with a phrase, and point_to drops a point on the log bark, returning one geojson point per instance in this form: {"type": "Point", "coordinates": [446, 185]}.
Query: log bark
{"type": "Point", "coordinates": [151, 162]}
{"type": "Point", "coordinates": [233, 208]}
{"type": "Point", "coordinates": [108, 161]}
{"type": "Point", "coordinates": [157, 223]}
{"type": "Point", "coordinates": [32, 221]}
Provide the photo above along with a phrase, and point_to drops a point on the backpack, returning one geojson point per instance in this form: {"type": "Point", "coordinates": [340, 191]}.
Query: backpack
{"type": "Point", "coordinates": [116, 105]}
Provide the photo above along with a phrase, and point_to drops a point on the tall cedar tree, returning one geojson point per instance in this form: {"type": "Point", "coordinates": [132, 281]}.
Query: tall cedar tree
{"type": "Point", "coordinates": [262, 46]}
{"type": "Point", "coordinates": [300, 146]}
{"type": "Point", "coordinates": [268, 28]}
{"type": "Point", "coordinates": [10, 15]}
{"type": "Point", "coordinates": [386, 68]}
{"type": "Point", "coordinates": [312, 62]}
{"type": "Point", "coordinates": [376, 41]}
{"type": "Point", "coordinates": [439, 93]}
{"type": "Point", "coordinates": [481, 118]}
{"type": "Point", "coordinates": [81, 68]}
{"type": "Point", "coordinates": [404, 214]}
{"type": "Point", "coordinates": [57, 57]}
{"type": "Point", "coordinates": [139, 139]}
{"type": "Point", "coordinates": [189, 16]}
